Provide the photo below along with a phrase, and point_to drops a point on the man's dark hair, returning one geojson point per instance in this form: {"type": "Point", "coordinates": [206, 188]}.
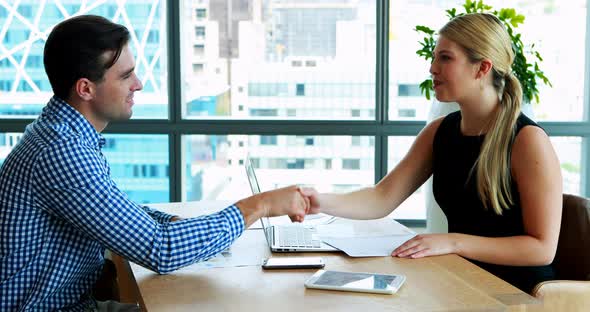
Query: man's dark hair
{"type": "Point", "coordinates": [75, 48]}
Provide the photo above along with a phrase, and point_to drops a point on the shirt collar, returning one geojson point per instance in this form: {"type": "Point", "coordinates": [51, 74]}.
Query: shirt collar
{"type": "Point", "coordinates": [74, 119]}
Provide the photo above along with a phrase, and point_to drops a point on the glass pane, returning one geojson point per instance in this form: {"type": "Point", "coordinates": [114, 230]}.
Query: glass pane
{"type": "Point", "coordinates": [273, 59]}
{"type": "Point", "coordinates": [7, 142]}
{"type": "Point", "coordinates": [414, 207]}
{"type": "Point", "coordinates": [25, 25]}
{"type": "Point", "coordinates": [569, 151]}
{"type": "Point", "coordinates": [563, 65]}
{"type": "Point", "coordinates": [140, 165]}
{"type": "Point", "coordinates": [214, 163]}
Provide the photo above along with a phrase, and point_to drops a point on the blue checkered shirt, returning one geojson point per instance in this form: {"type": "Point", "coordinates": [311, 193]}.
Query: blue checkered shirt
{"type": "Point", "coordinates": [60, 209]}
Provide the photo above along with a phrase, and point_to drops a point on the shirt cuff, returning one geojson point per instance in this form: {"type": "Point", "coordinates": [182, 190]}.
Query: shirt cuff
{"type": "Point", "coordinates": [235, 219]}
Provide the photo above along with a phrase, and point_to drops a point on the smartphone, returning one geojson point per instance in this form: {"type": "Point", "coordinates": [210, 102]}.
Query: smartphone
{"type": "Point", "coordinates": [356, 281]}
{"type": "Point", "coordinates": [293, 263]}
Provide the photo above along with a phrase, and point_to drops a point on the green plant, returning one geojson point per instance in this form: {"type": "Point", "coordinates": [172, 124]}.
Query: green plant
{"type": "Point", "coordinates": [527, 73]}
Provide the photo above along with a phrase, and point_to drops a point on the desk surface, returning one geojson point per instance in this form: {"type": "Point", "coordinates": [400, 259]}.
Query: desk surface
{"type": "Point", "coordinates": [445, 283]}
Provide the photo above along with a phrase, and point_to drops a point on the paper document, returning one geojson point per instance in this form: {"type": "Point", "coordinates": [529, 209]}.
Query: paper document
{"type": "Point", "coordinates": [225, 259]}
{"type": "Point", "coordinates": [379, 246]}
{"type": "Point", "coordinates": [366, 238]}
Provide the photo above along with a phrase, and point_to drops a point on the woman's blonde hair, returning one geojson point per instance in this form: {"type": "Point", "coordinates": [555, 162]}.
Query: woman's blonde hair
{"type": "Point", "coordinates": [483, 36]}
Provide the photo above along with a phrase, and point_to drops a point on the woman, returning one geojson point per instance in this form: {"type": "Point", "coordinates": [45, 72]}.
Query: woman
{"type": "Point", "coordinates": [495, 173]}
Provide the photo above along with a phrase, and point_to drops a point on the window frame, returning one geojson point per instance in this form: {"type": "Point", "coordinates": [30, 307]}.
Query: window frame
{"type": "Point", "coordinates": [175, 127]}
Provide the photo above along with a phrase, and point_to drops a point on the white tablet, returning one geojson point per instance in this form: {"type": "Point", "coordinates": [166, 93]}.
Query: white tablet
{"type": "Point", "coordinates": [353, 281]}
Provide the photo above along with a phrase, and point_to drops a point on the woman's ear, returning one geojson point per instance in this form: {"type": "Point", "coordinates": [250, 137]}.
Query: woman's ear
{"type": "Point", "coordinates": [85, 89]}
{"type": "Point", "coordinates": [484, 68]}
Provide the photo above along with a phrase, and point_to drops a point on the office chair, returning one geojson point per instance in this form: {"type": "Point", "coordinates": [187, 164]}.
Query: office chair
{"type": "Point", "coordinates": [571, 290]}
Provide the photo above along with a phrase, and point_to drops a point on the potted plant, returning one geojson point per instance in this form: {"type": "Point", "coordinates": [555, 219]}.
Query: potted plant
{"type": "Point", "coordinates": [527, 72]}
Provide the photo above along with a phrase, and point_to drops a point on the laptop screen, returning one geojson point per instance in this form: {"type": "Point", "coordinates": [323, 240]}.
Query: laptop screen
{"type": "Point", "coordinates": [255, 190]}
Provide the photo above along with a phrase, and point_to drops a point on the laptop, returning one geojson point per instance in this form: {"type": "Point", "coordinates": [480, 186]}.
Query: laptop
{"type": "Point", "coordinates": [287, 237]}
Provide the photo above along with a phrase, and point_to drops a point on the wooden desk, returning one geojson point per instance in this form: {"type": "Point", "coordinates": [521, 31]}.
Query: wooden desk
{"type": "Point", "coordinates": [445, 283]}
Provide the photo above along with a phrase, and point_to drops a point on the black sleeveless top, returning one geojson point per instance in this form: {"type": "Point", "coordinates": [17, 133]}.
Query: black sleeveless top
{"type": "Point", "coordinates": [455, 190]}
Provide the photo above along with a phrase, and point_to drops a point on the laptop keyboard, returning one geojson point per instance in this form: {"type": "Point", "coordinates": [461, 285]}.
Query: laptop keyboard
{"type": "Point", "coordinates": [297, 237]}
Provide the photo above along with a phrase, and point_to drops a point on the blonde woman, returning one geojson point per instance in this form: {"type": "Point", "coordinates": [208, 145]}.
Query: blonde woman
{"type": "Point", "coordinates": [495, 173]}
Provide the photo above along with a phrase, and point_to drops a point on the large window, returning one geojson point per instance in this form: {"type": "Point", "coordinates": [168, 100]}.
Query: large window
{"type": "Point", "coordinates": [278, 59]}
{"type": "Point", "coordinates": [318, 93]}
{"type": "Point", "coordinates": [215, 163]}
{"type": "Point", "coordinates": [139, 163]}
{"type": "Point", "coordinates": [564, 66]}
{"type": "Point", "coordinates": [25, 24]}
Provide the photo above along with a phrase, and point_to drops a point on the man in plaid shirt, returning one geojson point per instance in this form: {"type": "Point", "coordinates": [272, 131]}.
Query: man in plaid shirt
{"type": "Point", "coordinates": [59, 207]}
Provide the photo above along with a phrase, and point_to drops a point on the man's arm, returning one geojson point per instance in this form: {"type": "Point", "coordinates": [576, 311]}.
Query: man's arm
{"type": "Point", "coordinates": [159, 216]}
{"type": "Point", "coordinates": [72, 183]}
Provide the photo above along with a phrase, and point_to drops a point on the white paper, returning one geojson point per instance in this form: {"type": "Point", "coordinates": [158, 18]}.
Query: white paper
{"type": "Point", "coordinates": [366, 238]}
{"type": "Point", "coordinates": [226, 259]}
{"type": "Point", "coordinates": [376, 246]}
{"type": "Point", "coordinates": [346, 228]}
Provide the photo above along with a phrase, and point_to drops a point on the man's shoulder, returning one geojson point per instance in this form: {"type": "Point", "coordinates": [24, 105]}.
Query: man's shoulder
{"type": "Point", "coordinates": [46, 138]}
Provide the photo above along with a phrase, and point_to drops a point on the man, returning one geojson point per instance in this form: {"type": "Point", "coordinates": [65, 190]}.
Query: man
{"type": "Point", "coordinates": [60, 209]}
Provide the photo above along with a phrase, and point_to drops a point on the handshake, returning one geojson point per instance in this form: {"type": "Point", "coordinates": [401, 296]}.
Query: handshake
{"type": "Point", "coordinates": [293, 201]}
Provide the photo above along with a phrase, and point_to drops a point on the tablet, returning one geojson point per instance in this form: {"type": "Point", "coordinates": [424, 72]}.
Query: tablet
{"type": "Point", "coordinates": [355, 281]}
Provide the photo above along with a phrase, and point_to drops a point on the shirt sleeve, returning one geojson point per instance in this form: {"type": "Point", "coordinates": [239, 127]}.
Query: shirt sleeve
{"type": "Point", "coordinates": [157, 215]}
{"type": "Point", "coordinates": [73, 184]}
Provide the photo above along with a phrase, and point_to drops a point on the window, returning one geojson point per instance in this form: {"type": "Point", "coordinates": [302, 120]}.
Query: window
{"type": "Point", "coordinates": [351, 164]}
{"type": "Point", "coordinates": [201, 14]}
{"type": "Point", "coordinates": [200, 32]}
{"type": "Point", "coordinates": [268, 140]}
{"type": "Point", "coordinates": [278, 165]}
{"type": "Point", "coordinates": [198, 68]}
{"type": "Point", "coordinates": [5, 85]}
{"type": "Point", "coordinates": [406, 112]}
{"type": "Point", "coordinates": [295, 163]}
{"type": "Point", "coordinates": [21, 39]}
{"type": "Point", "coordinates": [199, 50]}
{"type": "Point", "coordinates": [408, 90]}
{"type": "Point", "coordinates": [310, 63]}
{"type": "Point", "coordinates": [561, 66]}
{"type": "Point", "coordinates": [267, 89]}
{"type": "Point", "coordinates": [300, 89]}
{"type": "Point", "coordinates": [25, 10]}
{"type": "Point", "coordinates": [34, 61]}
{"type": "Point", "coordinates": [153, 36]}
{"type": "Point", "coordinates": [264, 112]}
{"type": "Point", "coordinates": [278, 50]}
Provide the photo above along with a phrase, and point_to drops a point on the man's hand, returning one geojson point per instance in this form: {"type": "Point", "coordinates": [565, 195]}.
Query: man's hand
{"type": "Point", "coordinates": [284, 201]}
{"type": "Point", "coordinates": [313, 197]}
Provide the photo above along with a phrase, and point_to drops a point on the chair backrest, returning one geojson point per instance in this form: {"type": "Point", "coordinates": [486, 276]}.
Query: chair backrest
{"type": "Point", "coordinates": [572, 259]}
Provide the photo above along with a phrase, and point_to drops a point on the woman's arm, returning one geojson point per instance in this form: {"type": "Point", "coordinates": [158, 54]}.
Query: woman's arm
{"type": "Point", "coordinates": [536, 172]}
{"type": "Point", "coordinates": [380, 200]}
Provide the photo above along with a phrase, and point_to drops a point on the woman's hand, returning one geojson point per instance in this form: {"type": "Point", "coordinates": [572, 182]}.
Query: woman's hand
{"type": "Point", "coordinates": [313, 196]}
{"type": "Point", "coordinates": [425, 245]}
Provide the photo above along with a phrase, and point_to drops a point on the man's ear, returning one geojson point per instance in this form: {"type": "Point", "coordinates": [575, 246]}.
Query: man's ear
{"type": "Point", "coordinates": [484, 68]}
{"type": "Point", "coordinates": [85, 89]}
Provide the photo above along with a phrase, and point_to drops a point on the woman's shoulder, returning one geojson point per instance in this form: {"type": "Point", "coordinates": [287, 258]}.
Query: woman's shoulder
{"type": "Point", "coordinates": [524, 121]}
{"type": "Point", "coordinates": [446, 125]}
